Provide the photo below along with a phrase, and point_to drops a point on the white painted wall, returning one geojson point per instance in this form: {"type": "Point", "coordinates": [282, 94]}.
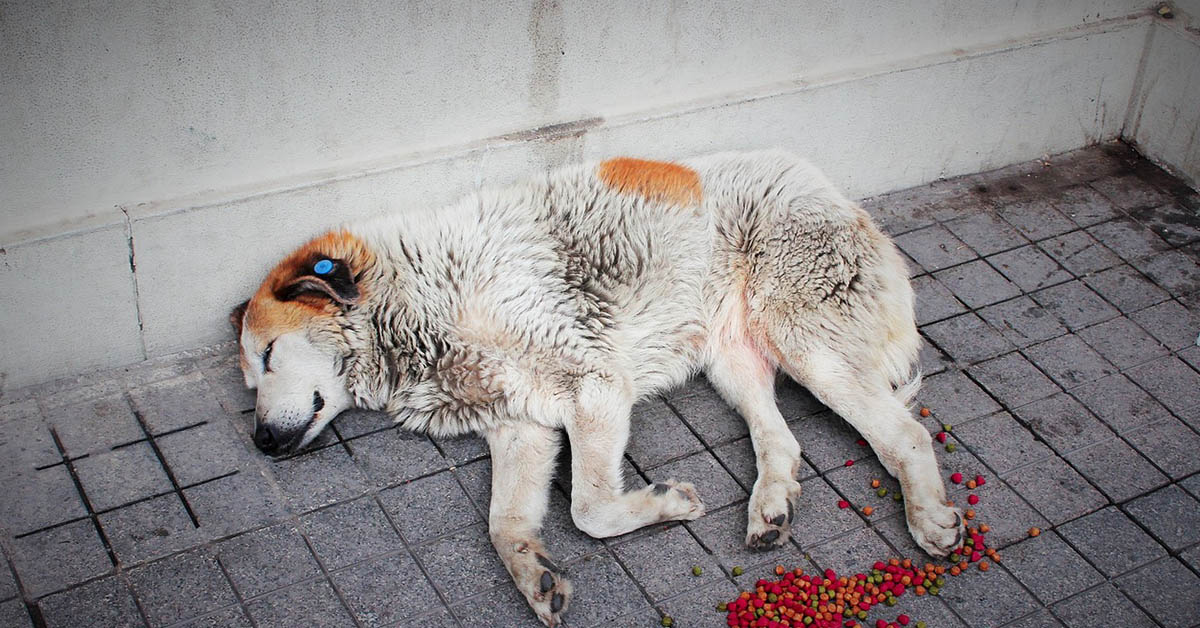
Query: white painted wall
{"type": "Point", "coordinates": [1165, 116]}
{"type": "Point", "coordinates": [210, 137]}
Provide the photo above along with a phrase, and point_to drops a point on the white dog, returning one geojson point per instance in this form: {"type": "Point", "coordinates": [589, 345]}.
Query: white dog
{"type": "Point", "coordinates": [557, 304]}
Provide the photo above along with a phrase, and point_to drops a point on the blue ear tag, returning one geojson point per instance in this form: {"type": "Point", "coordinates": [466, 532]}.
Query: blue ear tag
{"type": "Point", "coordinates": [323, 267]}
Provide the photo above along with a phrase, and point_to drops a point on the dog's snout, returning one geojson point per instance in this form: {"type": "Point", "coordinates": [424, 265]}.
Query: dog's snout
{"type": "Point", "coordinates": [318, 401]}
{"type": "Point", "coordinates": [265, 438]}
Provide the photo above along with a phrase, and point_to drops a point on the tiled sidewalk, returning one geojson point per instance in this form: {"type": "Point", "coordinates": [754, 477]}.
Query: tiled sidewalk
{"type": "Point", "coordinates": [1062, 306]}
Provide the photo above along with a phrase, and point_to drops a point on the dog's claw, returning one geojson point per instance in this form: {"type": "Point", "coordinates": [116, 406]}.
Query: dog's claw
{"type": "Point", "coordinates": [772, 509]}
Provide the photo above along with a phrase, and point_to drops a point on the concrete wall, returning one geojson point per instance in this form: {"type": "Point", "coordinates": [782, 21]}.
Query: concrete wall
{"type": "Point", "coordinates": [155, 158]}
{"type": "Point", "coordinates": [1165, 116]}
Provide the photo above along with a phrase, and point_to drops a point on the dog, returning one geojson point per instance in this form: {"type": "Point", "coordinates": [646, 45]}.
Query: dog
{"type": "Point", "coordinates": [554, 305]}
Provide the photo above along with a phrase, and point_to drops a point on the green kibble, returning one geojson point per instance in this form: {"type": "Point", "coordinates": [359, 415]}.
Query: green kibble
{"type": "Point", "coordinates": [934, 590]}
{"type": "Point", "coordinates": [941, 582]}
{"type": "Point", "coordinates": [722, 607]}
{"type": "Point", "coordinates": [862, 614]}
{"type": "Point", "coordinates": [920, 624]}
{"type": "Point", "coordinates": [950, 447]}
{"type": "Point", "coordinates": [696, 570]}
{"type": "Point", "coordinates": [954, 558]}
{"type": "Point", "coordinates": [772, 598]}
{"type": "Point", "coordinates": [928, 583]}
{"type": "Point", "coordinates": [881, 492]}
{"type": "Point", "coordinates": [946, 427]}
{"type": "Point", "coordinates": [891, 601]}
{"type": "Point", "coordinates": [667, 621]}
{"type": "Point", "coordinates": [896, 497]}
{"type": "Point", "coordinates": [737, 571]}
{"type": "Point", "coordinates": [807, 620]}
{"type": "Point", "coordinates": [758, 612]}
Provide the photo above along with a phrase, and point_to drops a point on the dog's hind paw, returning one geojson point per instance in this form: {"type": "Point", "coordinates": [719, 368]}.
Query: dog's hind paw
{"type": "Point", "coordinates": [544, 585]}
{"type": "Point", "coordinates": [939, 530]}
{"type": "Point", "coordinates": [771, 512]}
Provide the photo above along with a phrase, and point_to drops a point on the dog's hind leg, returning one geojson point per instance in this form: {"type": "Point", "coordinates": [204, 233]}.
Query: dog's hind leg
{"type": "Point", "coordinates": [746, 380]}
{"type": "Point", "coordinates": [867, 402]}
{"type": "Point", "coordinates": [599, 431]}
{"type": "Point", "coordinates": [523, 457]}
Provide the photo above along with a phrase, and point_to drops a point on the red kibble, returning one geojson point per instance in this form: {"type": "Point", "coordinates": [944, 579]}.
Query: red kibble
{"type": "Point", "coordinates": [941, 437]}
{"type": "Point", "coordinates": [976, 557]}
{"type": "Point", "coordinates": [861, 442]}
{"type": "Point", "coordinates": [956, 478]}
{"type": "Point", "coordinates": [849, 463]}
{"type": "Point", "coordinates": [972, 499]}
{"type": "Point", "coordinates": [903, 620]}
{"type": "Point", "coordinates": [979, 481]}
{"type": "Point", "coordinates": [843, 504]}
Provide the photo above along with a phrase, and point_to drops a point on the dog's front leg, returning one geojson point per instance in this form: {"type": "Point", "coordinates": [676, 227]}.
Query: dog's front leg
{"type": "Point", "coordinates": [523, 457]}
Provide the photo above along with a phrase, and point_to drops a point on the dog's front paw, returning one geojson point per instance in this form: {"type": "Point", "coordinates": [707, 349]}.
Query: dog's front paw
{"type": "Point", "coordinates": [544, 585]}
{"type": "Point", "coordinates": [676, 501]}
{"type": "Point", "coordinates": [771, 511]}
{"type": "Point", "coordinates": [939, 530]}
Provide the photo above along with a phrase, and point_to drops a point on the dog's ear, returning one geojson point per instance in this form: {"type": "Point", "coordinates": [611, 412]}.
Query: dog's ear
{"type": "Point", "coordinates": [322, 277]}
{"type": "Point", "coordinates": [237, 316]}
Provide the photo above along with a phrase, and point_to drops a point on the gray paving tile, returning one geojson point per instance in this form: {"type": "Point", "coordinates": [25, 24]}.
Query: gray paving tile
{"type": "Point", "coordinates": [1050, 568]}
{"type": "Point", "coordinates": [356, 422]}
{"type": "Point", "coordinates": [1064, 423]}
{"type": "Point", "coordinates": [1093, 162]}
{"type": "Point", "coordinates": [236, 503]}
{"type": "Point", "coordinates": [934, 300]}
{"type": "Point", "coordinates": [894, 212]}
{"type": "Point", "coordinates": [385, 590]}
{"type": "Point", "coordinates": [233, 617]}
{"type": "Point", "coordinates": [8, 584]}
{"type": "Point", "coordinates": [429, 507]}
{"type": "Point", "coordinates": [181, 587]}
{"type": "Point", "coordinates": [463, 562]}
{"type": "Point", "coordinates": [1085, 206]}
{"type": "Point", "coordinates": [24, 440]}
{"type": "Point", "coordinates": [1013, 380]}
{"type": "Point", "coordinates": [1056, 490]}
{"type": "Point", "coordinates": [350, 532]}
{"type": "Point", "coordinates": [502, 606]}
{"type": "Point", "coordinates": [1175, 271]}
{"type": "Point", "coordinates": [1004, 511]}
{"type": "Point", "coordinates": [988, 598]}
{"type": "Point", "coordinates": [1173, 222]}
{"type": "Point", "coordinates": [603, 593]}
{"type": "Point", "coordinates": [103, 603]}
{"type": "Point", "coordinates": [1111, 541]}
{"type": "Point", "coordinates": [225, 379]}
{"type": "Point", "coordinates": [463, 449]}
{"type": "Point", "coordinates": [1191, 485]}
{"type": "Point", "coordinates": [1036, 219]}
{"type": "Point", "coordinates": [14, 614]}
{"type": "Point", "coordinates": [121, 476]}
{"type": "Point", "coordinates": [662, 562]}
{"type": "Point", "coordinates": [321, 477]}
{"type": "Point", "coordinates": [1120, 403]}
{"type": "Point", "coordinates": [953, 398]}
{"type": "Point", "coordinates": [1170, 323]}
{"type": "Point", "coordinates": [40, 499]}
{"type": "Point", "coordinates": [1076, 305]}
{"type": "Point", "coordinates": [932, 360]}
{"type": "Point", "coordinates": [1170, 381]}
{"type": "Point", "coordinates": [1029, 268]}
{"type": "Point", "coordinates": [1117, 469]}
{"type": "Point", "coordinates": [267, 559]}
{"type": "Point", "coordinates": [827, 441]}
{"type": "Point", "coordinates": [716, 487]}
{"type": "Point", "coordinates": [929, 609]}
{"type": "Point", "coordinates": [1102, 605]}
{"type": "Point", "coordinates": [819, 502]}
{"type": "Point", "coordinates": [738, 457]}
{"type": "Point", "coordinates": [564, 541]}
{"type": "Point", "coordinates": [1170, 445]}
{"type": "Point", "coordinates": [205, 452]}
{"type": "Point", "coordinates": [708, 415]}
{"type": "Point", "coordinates": [1023, 321]}
{"type": "Point", "coordinates": [1126, 288]}
{"type": "Point", "coordinates": [175, 403]}
{"type": "Point", "coordinates": [960, 461]}
{"type": "Point", "coordinates": [968, 339]}
{"type": "Point", "coordinates": [1001, 442]}
{"type": "Point", "coordinates": [1191, 557]}
{"type": "Point", "coordinates": [934, 248]}
{"type": "Point", "coordinates": [1170, 514]}
{"type": "Point", "coordinates": [1191, 355]}
{"type": "Point", "coordinates": [795, 401]}
{"type": "Point", "coordinates": [1167, 590]}
{"type": "Point", "coordinates": [437, 619]}
{"type": "Point", "coordinates": [392, 456]}
{"type": "Point", "coordinates": [150, 529]}
{"type": "Point", "coordinates": [1039, 619]}
{"type": "Point", "coordinates": [977, 284]}
{"type": "Point", "coordinates": [658, 435]}
{"type": "Point", "coordinates": [312, 603]}
{"type": "Point", "coordinates": [60, 557]}
{"type": "Point", "coordinates": [1122, 342]}
{"type": "Point", "coordinates": [697, 607]}
{"type": "Point", "coordinates": [986, 232]}
{"type": "Point", "coordinates": [851, 554]}
{"type": "Point", "coordinates": [1080, 253]}
{"type": "Point", "coordinates": [1128, 239]}
{"type": "Point", "coordinates": [1130, 192]}
{"type": "Point", "coordinates": [95, 425]}
{"type": "Point", "coordinates": [854, 484]}
{"type": "Point", "coordinates": [724, 534]}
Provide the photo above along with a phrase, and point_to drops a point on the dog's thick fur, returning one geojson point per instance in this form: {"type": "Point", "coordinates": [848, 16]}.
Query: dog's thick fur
{"type": "Point", "coordinates": [557, 304]}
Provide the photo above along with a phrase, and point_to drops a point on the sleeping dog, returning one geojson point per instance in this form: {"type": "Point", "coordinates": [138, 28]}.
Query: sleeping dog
{"type": "Point", "coordinates": [555, 305]}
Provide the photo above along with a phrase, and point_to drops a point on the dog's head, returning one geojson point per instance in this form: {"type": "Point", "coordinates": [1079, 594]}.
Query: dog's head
{"type": "Point", "coordinates": [292, 342]}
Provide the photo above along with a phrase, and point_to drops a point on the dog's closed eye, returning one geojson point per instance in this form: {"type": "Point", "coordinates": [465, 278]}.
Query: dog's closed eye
{"type": "Point", "coordinates": [266, 357]}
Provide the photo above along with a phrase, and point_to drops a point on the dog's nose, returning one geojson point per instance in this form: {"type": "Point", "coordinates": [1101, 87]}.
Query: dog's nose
{"type": "Point", "coordinates": [265, 438]}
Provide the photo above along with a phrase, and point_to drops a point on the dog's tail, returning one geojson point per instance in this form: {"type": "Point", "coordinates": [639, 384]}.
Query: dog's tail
{"type": "Point", "coordinates": [906, 391]}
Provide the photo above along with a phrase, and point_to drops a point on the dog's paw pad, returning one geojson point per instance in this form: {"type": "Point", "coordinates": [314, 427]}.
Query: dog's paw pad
{"type": "Point", "coordinates": [939, 531]}
{"type": "Point", "coordinates": [772, 509]}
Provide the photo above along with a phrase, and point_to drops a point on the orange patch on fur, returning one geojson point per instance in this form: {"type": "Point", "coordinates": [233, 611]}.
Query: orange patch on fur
{"type": "Point", "coordinates": [652, 180]}
{"type": "Point", "coordinates": [269, 317]}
